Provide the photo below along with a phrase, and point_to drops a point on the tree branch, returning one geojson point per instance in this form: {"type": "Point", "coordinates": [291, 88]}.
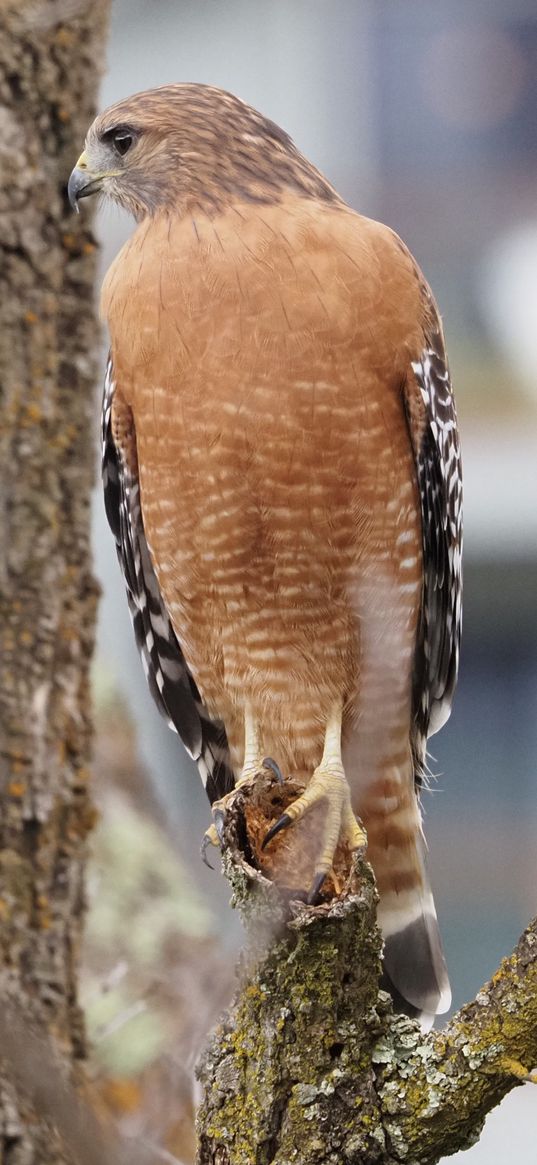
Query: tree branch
{"type": "Point", "coordinates": [436, 1092]}
{"type": "Point", "coordinates": [310, 1065]}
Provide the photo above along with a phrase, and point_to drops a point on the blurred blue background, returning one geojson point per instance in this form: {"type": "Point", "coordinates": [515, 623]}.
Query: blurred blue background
{"type": "Point", "coordinates": [424, 116]}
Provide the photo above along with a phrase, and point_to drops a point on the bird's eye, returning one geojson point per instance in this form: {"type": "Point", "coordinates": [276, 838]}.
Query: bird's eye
{"type": "Point", "coordinates": [122, 142]}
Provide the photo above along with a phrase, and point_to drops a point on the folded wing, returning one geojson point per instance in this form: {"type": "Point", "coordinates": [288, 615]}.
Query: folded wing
{"type": "Point", "coordinates": [170, 682]}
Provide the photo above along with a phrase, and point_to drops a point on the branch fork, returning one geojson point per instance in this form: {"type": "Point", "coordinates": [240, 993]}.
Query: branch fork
{"type": "Point", "coordinates": [310, 1065]}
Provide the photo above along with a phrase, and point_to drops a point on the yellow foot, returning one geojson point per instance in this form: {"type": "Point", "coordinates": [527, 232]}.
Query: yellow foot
{"type": "Point", "coordinates": [329, 785]}
{"type": "Point", "coordinates": [214, 835]}
{"type": "Point", "coordinates": [251, 765]}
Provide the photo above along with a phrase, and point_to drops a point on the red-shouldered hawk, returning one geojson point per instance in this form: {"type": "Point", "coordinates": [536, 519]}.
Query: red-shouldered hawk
{"type": "Point", "coordinates": [282, 477]}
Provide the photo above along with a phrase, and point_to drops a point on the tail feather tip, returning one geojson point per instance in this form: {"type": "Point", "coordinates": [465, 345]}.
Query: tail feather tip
{"type": "Point", "coordinates": [415, 966]}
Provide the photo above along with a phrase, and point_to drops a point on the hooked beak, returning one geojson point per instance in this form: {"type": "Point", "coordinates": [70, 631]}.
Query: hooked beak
{"type": "Point", "coordinates": [79, 187]}
{"type": "Point", "coordinates": [83, 182]}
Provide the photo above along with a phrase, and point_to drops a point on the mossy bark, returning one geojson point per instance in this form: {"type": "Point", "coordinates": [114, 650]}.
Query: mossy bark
{"type": "Point", "coordinates": [311, 1067]}
{"type": "Point", "coordinates": [50, 57]}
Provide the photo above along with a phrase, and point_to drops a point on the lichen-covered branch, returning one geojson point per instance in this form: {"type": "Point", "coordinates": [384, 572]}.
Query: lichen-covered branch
{"type": "Point", "coordinates": [435, 1093]}
{"type": "Point", "coordinates": [290, 1066]}
{"type": "Point", "coordinates": [311, 1067]}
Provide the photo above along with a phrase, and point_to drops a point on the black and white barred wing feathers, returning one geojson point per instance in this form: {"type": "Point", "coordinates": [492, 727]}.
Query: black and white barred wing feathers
{"type": "Point", "coordinates": [434, 434]}
{"type": "Point", "coordinates": [170, 682]}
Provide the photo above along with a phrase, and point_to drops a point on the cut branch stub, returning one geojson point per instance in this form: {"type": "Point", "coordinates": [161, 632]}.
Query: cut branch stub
{"type": "Point", "coordinates": [288, 1074]}
{"type": "Point", "coordinates": [269, 882]}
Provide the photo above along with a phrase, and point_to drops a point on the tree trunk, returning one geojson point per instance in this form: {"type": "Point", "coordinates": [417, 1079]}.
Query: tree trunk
{"type": "Point", "coordinates": [50, 53]}
{"type": "Point", "coordinates": [310, 1066]}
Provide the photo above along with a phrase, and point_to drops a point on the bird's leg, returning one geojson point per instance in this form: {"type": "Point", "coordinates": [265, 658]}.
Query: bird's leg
{"type": "Point", "coordinates": [329, 785]}
{"type": "Point", "coordinates": [253, 762]}
{"type": "Point", "coordinates": [253, 757]}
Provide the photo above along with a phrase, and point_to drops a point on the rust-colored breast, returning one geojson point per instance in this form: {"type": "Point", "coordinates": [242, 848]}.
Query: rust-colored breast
{"type": "Point", "coordinates": [262, 354]}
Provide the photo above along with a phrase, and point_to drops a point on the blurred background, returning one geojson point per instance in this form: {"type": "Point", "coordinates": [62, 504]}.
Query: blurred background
{"type": "Point", "coordinates": [425, 117]}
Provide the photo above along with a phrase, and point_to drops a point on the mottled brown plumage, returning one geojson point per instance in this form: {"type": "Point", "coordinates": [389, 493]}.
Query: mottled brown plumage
{"type": "Point", "coordinates": [275, 368]}
{"type": "Point", "coordinates": [201, 147]}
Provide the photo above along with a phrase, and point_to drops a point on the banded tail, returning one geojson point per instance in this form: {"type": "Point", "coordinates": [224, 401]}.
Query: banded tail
{"type": "Point", "coordinates": [414, 964]}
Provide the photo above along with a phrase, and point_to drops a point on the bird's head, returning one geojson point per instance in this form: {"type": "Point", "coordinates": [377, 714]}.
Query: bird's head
{"type": "Point", "coordinates": [189, 144]}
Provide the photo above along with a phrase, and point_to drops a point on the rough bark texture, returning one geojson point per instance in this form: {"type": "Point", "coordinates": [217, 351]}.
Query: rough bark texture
{"type": "Point", "coordinates": [310, 1066]}
{"type": "Point", "coordinates": [50, 56]}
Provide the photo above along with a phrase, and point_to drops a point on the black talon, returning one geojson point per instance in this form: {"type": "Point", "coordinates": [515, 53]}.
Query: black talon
{"type": "Point", "coordinates": [273, 767]}
{"type": "Point", "coordinates": [281, 823]}
{"type": "Point", "coordinates": [219, 821]}
{"type": "Point", "coordinates": [314, 892]}
{"type": "Point", "coordinates": [203, 851]}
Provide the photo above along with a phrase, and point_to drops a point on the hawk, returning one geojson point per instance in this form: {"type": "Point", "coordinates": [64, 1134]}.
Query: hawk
{"type": "Point", "coordinates": [282, 478]}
